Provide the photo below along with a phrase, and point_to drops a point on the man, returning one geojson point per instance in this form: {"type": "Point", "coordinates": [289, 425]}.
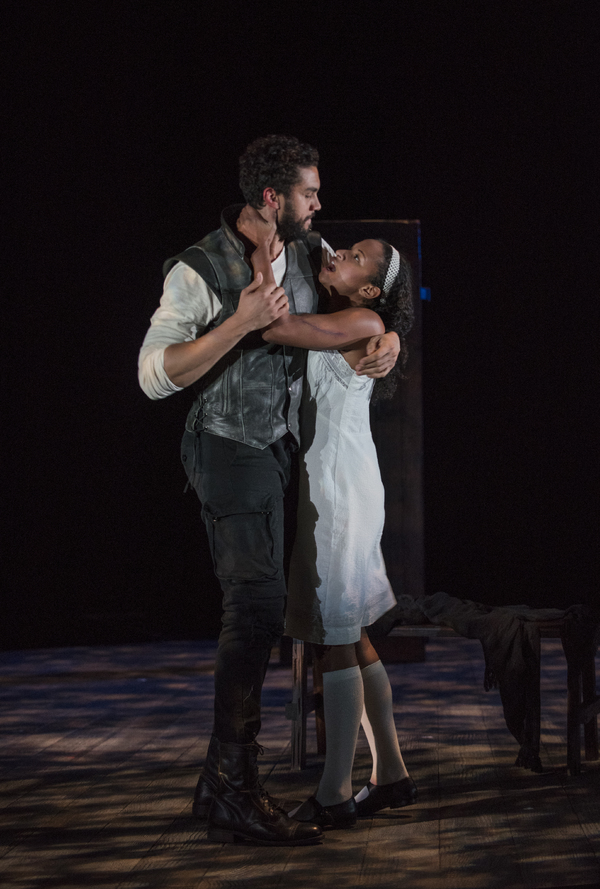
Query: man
{"type": "Point", "coordinates": [240, 436]}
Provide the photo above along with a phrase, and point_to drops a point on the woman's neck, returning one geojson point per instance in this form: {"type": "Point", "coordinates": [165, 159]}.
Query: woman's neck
{"type": "Point", "coordinates": [334, 301]}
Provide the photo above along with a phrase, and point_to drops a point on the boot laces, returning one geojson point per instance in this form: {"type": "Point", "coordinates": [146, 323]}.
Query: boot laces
{"type": "Point", "coordinates": [273, 807]}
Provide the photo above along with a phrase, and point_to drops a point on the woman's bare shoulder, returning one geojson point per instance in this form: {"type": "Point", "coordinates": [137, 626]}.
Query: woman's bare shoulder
{"type": "Point", "coordinates": [363, 316]}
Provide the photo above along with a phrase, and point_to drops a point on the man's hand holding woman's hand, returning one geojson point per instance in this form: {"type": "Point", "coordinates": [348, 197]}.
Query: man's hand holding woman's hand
{"type": "Point", "coordinates": [382, 354]}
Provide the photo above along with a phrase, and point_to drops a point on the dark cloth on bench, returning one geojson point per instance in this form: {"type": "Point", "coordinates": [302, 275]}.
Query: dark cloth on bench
{"type": "Point", "coordinates": [510, 639]}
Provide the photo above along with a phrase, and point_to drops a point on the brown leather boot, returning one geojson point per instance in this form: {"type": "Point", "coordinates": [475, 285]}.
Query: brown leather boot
{"type": "Point", "coordinates": [208, 781]}
{"type": "Point", "coordinates": [240, 812]}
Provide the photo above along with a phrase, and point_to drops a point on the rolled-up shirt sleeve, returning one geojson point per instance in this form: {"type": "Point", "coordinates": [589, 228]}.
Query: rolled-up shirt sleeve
{"type": "Point", "coordinates": [187, 307]}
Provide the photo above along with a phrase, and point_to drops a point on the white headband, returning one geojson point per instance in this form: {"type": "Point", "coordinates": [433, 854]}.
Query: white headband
{"type": "Point", "coordinates": [392, 271]}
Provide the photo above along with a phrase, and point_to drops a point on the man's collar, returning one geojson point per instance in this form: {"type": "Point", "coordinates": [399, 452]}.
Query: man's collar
{"type": "Point", "coordinates": [229, 218]}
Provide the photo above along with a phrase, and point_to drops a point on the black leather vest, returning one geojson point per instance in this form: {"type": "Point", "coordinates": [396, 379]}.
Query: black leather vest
{"type": "Point", "coordinates": [252, 394]}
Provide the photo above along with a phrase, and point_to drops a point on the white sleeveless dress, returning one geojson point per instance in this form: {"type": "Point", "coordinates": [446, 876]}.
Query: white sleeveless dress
{"type": "Point", "coordinates": [338, 581]}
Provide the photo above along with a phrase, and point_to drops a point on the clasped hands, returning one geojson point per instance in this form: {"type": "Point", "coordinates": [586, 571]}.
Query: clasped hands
{"type": "Point", "coordinates": [261, 302]}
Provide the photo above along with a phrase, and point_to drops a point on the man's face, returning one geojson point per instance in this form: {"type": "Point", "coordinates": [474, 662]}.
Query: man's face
{"type": "Point", "coordinates": [296, 212]}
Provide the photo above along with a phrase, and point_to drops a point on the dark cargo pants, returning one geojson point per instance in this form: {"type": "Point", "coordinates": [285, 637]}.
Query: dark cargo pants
{"type": "Point", "coordinates": [241, 490]}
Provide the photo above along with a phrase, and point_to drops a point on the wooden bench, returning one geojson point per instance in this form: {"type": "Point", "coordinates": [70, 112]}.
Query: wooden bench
{"type": "Point", "coordinates": [583, 704]}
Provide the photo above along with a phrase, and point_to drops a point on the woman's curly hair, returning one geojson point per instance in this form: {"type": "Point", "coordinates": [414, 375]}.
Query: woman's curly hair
{"type": "Point", "coordinates": [273, 161]}
{"type": "Point", "coordinates": [397, 312]}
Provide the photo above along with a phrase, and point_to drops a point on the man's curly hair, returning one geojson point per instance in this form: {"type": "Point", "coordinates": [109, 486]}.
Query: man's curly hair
{"type": "Point", "coordinates": [273, 161]}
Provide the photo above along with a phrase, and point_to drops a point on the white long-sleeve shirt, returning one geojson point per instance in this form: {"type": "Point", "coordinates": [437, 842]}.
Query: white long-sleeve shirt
{"type": "Point", "coordinates": [188, 305]}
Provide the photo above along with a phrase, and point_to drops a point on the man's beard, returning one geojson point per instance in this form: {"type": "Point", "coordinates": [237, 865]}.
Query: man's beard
{"type": "Point", "coordinates": [289, 228]}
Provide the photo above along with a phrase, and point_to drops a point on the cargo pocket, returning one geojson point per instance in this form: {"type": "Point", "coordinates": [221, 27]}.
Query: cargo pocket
{"type": "Point", "coordinates": [246, 545]}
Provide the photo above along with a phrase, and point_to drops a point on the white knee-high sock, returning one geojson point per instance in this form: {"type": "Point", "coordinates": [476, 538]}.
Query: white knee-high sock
{"type": "Point", "coordinates": [343, 706]}
{"type": "Point", "coordinates": [378, 725]}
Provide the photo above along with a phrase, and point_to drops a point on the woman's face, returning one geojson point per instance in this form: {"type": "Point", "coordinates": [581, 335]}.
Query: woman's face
{"type": "Point", "coordinates": [351, 271]}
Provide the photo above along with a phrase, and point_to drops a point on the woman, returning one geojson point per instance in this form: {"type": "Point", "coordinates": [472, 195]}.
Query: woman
{"type": "Point", "coordinates": [338, 584]}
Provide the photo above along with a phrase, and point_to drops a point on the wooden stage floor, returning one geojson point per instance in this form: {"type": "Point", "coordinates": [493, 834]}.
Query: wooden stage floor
{"type": "Point", "coordinates": [100, 753]}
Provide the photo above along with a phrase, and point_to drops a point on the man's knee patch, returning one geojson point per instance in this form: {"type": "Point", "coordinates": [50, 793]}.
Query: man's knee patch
{"type": "Point", "coordinates": [257, 624]}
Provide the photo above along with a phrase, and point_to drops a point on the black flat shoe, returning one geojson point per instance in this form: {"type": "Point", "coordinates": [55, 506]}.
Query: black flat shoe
{"type": "Point", "coordinates": [339, 816]}
{"type": "Point", "coordinates": [387, 796]}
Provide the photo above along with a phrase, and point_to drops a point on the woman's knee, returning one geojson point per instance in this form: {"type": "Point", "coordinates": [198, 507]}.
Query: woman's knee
{"type": "Point", "coordinates": [365, 653]}
{"type": "Point", "coordinates": [335, 657]}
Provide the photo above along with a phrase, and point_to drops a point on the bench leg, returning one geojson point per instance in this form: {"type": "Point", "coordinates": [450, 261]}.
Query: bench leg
{"type": "Point", "coordinates": [319, 709]}
{"type": "Point", "coordinates": [298, 706]}
{"type": "Point", "coordinates": [573, 718]}
{"type": "Point", "coordinates": [590, 729]}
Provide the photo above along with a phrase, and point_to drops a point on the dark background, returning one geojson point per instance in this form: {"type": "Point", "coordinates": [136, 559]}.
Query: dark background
{"type": "Point", "coordinates": [124, 124]}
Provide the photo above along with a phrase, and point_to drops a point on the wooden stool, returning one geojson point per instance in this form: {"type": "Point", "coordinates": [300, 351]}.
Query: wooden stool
{"type": "Point", "coordinates": [583, 704]}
